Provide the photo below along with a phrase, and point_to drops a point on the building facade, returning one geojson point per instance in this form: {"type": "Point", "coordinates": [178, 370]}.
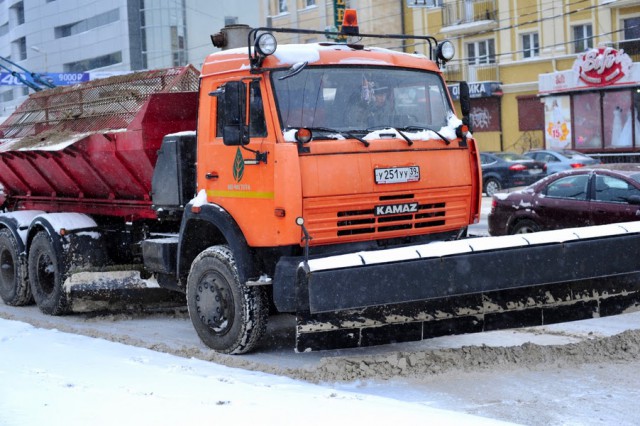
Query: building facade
{"type": "Point", "coordinates": [503, 46]}
{"type": "Point", "coordinates": [78, 36]}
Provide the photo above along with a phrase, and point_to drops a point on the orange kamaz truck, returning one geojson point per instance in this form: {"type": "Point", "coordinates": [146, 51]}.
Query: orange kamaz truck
{"type": "Point", "coordinates": [333, 181]}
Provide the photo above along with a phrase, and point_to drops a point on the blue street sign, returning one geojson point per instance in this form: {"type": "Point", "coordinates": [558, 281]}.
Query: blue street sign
{"type": "Point", "coordinates": [57, 78]}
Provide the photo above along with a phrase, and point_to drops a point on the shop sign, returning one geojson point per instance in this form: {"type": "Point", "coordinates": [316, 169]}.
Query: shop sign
{"type": "Point", "coordinates": [477, 90]}
{"type": "Point", "coordinates": [602, 66]}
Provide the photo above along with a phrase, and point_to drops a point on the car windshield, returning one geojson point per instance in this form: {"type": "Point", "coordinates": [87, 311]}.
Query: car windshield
{"type": "Point", "coordinates": [361, 98]}
{"type": "Point", "coordinates": [511, 156]}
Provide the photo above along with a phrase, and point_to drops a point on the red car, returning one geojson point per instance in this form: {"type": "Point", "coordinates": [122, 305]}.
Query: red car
{"type": "Point", "coordinates": [596, 195]}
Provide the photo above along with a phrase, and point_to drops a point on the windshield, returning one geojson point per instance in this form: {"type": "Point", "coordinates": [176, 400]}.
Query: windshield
{"type": "Point", "coordinates": [359, 98]}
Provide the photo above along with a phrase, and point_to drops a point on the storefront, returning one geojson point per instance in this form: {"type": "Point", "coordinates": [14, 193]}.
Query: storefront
{"type": "Point", "coordinates": [485, 112]}
{"type": "Point", "coordinates": [595, 106]}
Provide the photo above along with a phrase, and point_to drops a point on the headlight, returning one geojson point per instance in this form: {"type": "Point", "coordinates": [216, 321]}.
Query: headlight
{"type": "Point", "coordinates": [266, 44]}
{"type": "Point", "coordinates": [445, 51]}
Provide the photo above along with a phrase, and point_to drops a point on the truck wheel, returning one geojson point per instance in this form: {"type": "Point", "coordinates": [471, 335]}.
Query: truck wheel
{"type": "Point", "coordinates": [525, 226]}
{"type": "Point", "coordinates": [229, 316]}
{"type": "Point", "coordinates": [14, 286]}
{"type": "Point", "coordinates": [45, 276]}
{"type": "Point", "coordinates": [491, 186]}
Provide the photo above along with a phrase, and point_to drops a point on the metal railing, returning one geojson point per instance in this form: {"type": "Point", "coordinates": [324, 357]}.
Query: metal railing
{"type": "Point", "coordinates": [465, 11]}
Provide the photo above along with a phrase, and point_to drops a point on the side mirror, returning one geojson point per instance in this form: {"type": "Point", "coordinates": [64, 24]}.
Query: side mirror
{"type": "Point", "coordinates": [465, 100]}
{"type": "Point", "coordinates": [234, 103]}
{"type": "Point", "coordinates": [465, 104]}
{"type": "Point", "coordinates": [634, 200]}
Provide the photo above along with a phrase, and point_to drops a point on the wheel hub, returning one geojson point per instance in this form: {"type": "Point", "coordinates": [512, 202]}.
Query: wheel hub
{"type": "Point", "coordinates": [214, 303]}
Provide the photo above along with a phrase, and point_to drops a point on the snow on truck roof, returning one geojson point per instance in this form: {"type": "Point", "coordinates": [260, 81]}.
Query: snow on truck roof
{"type": "Point", "coordinates": [316, 54]}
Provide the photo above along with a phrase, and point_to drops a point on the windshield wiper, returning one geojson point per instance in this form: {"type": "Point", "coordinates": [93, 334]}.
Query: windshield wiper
{"type": "Point", "coordinates": [294, 70]}
{"type": "Point", "coordinates": [398, 131]}
{"type": "Point", "coordinates": [423, 128]}
{"type": "Point", "coordinates": [343, 133]}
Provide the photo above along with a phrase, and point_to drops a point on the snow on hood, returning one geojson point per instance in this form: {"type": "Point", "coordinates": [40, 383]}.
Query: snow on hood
{"type": "Point", "coordinates": [448, 131]}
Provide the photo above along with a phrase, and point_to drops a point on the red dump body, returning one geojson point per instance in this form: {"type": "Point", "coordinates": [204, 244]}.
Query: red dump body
{"type": "Point", "coordinates": [92, 148]}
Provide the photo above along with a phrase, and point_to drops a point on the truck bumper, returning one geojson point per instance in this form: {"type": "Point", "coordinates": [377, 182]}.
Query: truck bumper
{"type": "Point", "coordinates": [468, 285]}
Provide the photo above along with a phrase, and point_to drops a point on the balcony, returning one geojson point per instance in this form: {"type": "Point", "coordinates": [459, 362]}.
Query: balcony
{"type": "Point", "coordinates": [461, 70]}
{"type": "Point", "coordinates": [468, 16]}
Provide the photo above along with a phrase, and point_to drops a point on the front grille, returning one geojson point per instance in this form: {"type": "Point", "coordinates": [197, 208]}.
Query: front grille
{"type": "Point", "coordinates": [354, 218]}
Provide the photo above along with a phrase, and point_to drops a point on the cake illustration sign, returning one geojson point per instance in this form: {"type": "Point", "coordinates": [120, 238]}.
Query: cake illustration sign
{"type": "Point", "coordinates": [602, 66]}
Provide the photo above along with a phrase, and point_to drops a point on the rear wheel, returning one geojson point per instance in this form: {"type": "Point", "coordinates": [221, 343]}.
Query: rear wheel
{"type": "Point", "coordinates": [229, 316]}
{"type": "Point", "coordinates": [491, 186]}
{"type": "Point", "coordinates": [46, 276]}
{"type": "Point", "coordinates": [525, 226]}
{"type": "Point", "coordinates": [14, 287]}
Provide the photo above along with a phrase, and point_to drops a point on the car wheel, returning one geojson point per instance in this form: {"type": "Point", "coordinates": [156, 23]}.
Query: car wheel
{"type": "Point", "coordinates": [491, 186]}
{"type": "Point", "coordinates": [525, 226]}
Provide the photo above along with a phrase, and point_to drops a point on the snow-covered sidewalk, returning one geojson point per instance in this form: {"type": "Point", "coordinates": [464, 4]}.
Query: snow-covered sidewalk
{"type": "Point", "coordinates": [54, 378]}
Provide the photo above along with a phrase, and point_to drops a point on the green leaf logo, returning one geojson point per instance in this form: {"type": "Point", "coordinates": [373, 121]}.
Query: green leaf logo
{"type": "Point", "coordinates": [238, 166]}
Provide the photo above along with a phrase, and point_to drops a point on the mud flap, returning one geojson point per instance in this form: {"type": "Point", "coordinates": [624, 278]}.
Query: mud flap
{"type": "Point", "coordinates": [472, 285]}
{"type": "Point", "coordinates": [118, 291]}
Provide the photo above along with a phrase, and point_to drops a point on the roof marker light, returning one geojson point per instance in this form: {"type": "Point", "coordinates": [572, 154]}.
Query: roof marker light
{"type": "Point", "coordinates": [350, 23]}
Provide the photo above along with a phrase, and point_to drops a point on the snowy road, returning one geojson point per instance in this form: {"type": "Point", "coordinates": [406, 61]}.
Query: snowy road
{"type": "Point", "coordinates": [585, 372]}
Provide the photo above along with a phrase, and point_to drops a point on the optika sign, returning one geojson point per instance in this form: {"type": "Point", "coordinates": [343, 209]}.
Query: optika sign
{"type": "Point", "coordinates": [602, 66]}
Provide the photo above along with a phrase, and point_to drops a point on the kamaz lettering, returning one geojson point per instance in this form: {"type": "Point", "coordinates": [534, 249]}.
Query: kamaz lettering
{"type": "Point", "coordinates": [396, 209]}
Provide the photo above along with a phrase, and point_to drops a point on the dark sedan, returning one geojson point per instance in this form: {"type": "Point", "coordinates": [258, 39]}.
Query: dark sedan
{"type": "Point", "coordinates": [588, 196]}
{"type": "Point", "coordinates": [502, 170]}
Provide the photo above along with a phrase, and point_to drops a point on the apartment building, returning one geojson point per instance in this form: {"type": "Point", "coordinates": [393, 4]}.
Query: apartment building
{"type": "Point", "coordinates": [513, 51]}
{"type": "Point", "coordinates": [79, 36]}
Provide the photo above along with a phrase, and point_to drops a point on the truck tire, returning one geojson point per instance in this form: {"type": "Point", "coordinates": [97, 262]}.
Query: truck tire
{"type": "Point", "coordinates": [14, 286]}
{"type": "Point", "coordinates": [229, 316]}
{"type": "Point", "coordinates": [525, 226]}
{"type": "Point", "coordinates": [45, 276]}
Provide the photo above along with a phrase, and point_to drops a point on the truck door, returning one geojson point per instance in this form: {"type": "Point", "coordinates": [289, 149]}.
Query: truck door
{"type": "Point", "coordinates": [233, 162]}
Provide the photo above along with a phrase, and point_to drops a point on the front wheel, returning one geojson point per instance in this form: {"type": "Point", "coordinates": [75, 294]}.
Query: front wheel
{"type": "Point", "coordinates": [46, 276]}
{"type": "Point", "coordinates": [229, 316]}
{"type": "Point", "coordinates": [525, 226]}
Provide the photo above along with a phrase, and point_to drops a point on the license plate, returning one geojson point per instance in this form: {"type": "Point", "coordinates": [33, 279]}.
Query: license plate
{"type": "Point", "coordinates": [397, 174]}
{"type": "Point", "coordinates": [535, 171]}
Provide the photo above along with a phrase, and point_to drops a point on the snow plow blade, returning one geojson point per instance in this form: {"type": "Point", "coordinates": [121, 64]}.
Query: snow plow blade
{"type": "Point", "coordinates": [117, 291]}
{"type": "Point", "coordinates": [465, 286]}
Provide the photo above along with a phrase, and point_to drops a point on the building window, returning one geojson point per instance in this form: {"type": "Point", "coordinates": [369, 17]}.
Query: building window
{"type": "Point", "coordinates": [631, 43]}
{"type": "Point", "coordinates": [87, 24]}
{"type": "Point", "coordinates": [582, 38]}
{"type": "Point", "coordinates": [424, 3]}
{"type": "Point", "coordinates": [93, 63]}
{"type": "Point", "coordinates": [481, 52]}
{"type": "Point", "coordinates": [282, 6]}
{"type": "Point", "coordinates": [20, 48]}
{"type": "Point", "coordinates": [4, 29]}
{"type": "Point", "coordinates": [17, 13]}
{"type": "Point", "coordinates": [530, 45]}
{"type": "Point", "coordinates": [309, 3]}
